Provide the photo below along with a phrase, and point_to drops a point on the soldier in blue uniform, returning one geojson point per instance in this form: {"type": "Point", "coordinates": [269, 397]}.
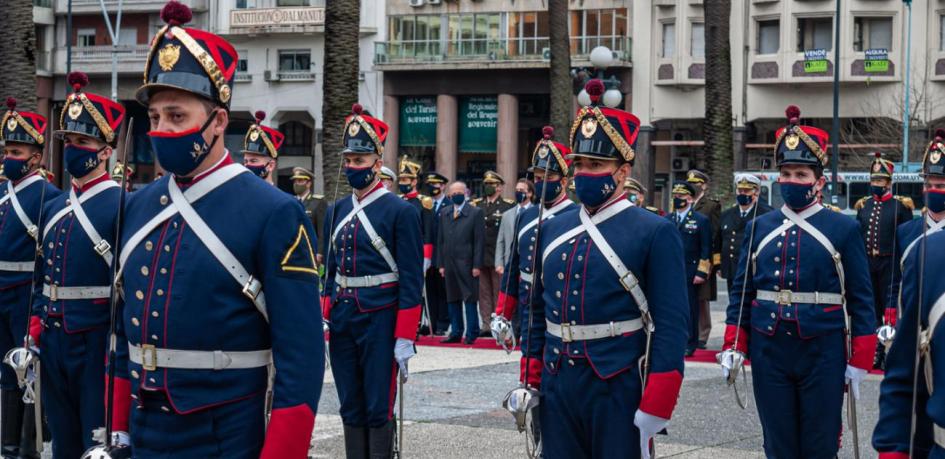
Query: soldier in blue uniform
{"type": "Point", "coordinates": [261, 149]}
{"type": "Point", "coordinates": [920, 330]}
{"type": "Point", "coordinates": [21, 199]}
{"type": "Point", "coordinates": [696, 233]}
{"type": "Point", "coordinates": [550, 169]}
{"type": "Point", "coordinates": [808, 279]}
{"type": "Point", "coordinates": [71, 310]}
{"type": "Point", "coordinates": [611, 274]}
{"type": "Point", "coordinates": [374, 277]}
{"type": "Point", "coordinates": [435, 184]}
{"type": "Point", "coordinates": [407, 179]}
{"type": "Point", "coordinates": [728, 240]}
{"type": "Point", "coordinates": [218, 277]}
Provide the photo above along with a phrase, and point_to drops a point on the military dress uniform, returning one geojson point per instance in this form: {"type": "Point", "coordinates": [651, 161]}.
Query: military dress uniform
{"type": "Point", "coordinates": [424, 205]}
{"type": "Point", "coordinates": [728, 240]}
{"type": "Point", "coordinates": [808, 275]}
{"type": "Point", "coordinates": [372, 296]}
{"type": "Point", "coordinates": [20, 202]}
{"type": "Point", "coordinates": [696, 234]}
{"type": "Point", "coordinates": [633, 186]}
{"type": "Point", "coordinates": [603, 278]}
{"type": "Point", "coordinates": [489, 278]}
{"type": "Point", "coordinates": [262, 141]}
{"type": "Point", "coordinates": [435, 283]}
{"type": "Point", "coordinates": [219, 282]}
{"type": "Point", "coordinates": [71, 299]}
{"type": "Point", "coordinates": [315, 205]}
{"type": "Point", "coordinates": [922, 310]}
{"type": "Point", "coordinates": [712, 208]}
{"type": "Point", "coordinates": [879, 217]}
{"type": "Point", "coordinates": [517, 278]}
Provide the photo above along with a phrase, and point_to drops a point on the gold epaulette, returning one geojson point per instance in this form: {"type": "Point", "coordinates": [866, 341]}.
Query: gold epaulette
{"type": "Point", "coordinates": [906, 201]}
{"type": "Point", "coordinates": [861, 203]}
{"type": "Point", "coordinates": [833, 207]}
{"type": "Point", "coordinates": [318, 196]}
{"type": "Point", "coordinates": [475, 202]}
{"type": "Point", "coordinates": [508, 201]}
{"type": "Point", "coordinates": [426, 202]}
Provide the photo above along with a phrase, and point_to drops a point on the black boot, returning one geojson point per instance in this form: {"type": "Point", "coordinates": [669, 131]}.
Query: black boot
{"type": "Point", "coordinates": [28, 437]}
{"type": "Point", "coordinates": [879, 361]}
{"type": "Point", "coordinates": [381, 440]}
{"type": "Point", "coordinates": [11, 420]}
{"type": "Point", "coordinates": [356, 442]}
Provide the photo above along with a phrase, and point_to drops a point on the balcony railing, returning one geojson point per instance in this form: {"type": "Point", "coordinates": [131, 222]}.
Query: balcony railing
{"type": "Point", "coordinates": [43, 3]}
{"type": "Point", "coordinates": [507, 49]}
{"type": "Point", "coordinates": [296, 75]}
{"type": "Point", "coordinates": [104, 53]}
{"type": "Point", "coordinates": [243, 77]}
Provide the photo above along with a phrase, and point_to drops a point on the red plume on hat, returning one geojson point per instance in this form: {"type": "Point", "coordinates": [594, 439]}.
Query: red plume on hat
{"type": "Point", "coordinates": [939, 133]}
{"type": "Point", "coordinates": [548, 132]}
{"type": "Point", "coordinates": [793, 114]}
{"type": "Point", "coordinates": [260, 116]}
{"type": "Point", "coordinates": [77, 80]}
{"type": "Point", "coordinates": [878, 155]}
{"type": "Point", "coordinates": [595, 89]}
{"type": "Point", "coordinates": [11, 103]}
{"type": "Point", "coordinates": [176, 13]}
{"type": "Point", "coordinates": [356, 109]}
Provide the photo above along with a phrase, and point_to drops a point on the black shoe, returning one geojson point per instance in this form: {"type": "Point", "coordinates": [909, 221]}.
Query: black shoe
{"type": "Point", "coordinates": [381, 441]}
{"type": "Point", "coordinates": [424, 330]}
{"type": "Point", "coordinates": [701, 345]}
{"type": "Point", "coordinates": [11, 405]}
{"type": "Point", "coordinates": [690, 352]}
{"type": "Point", "coordinates": [439, 333]}
{"type": "Point", "coordinates": [28, 437]}
{"type": "Point", "coordinates": [469, 340]}
{"type": "Point", "coordinates": [452, 340]}
{"type": "Point", "coordinates": [356, 442]}
{"type": "Point", "coordinates": [485, 334]}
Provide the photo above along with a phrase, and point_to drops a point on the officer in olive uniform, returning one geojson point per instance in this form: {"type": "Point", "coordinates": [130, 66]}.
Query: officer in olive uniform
{"type": "Point", "coordinates": [696, 233]}
{"type": "Point", "coordinates": [728, 240]}
{"type": "Point", "coordinates": [493, 205]}
{"type": "Point", "coordinates": [636, 194]}
{"type": "Point", "coordinates": [261, 149]}
{"type": "Point", "coordinates": [315, 204]}
{"type": "Point", "coordinates": [712, 208]}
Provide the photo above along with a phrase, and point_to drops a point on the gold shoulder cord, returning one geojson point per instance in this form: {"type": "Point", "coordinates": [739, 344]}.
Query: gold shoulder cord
{"type": "Point", "coordinates": [99, 119]}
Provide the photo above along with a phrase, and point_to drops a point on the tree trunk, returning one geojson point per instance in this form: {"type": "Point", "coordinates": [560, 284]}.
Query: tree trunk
{"type": "Point", "coordinates": [18, 53]}
{"type": "Point", "coordinates": [717, 127]}
{"type": "Point", "coordinates": [340, 87]}
{"type": "Point", "coordinates": [560, 69]}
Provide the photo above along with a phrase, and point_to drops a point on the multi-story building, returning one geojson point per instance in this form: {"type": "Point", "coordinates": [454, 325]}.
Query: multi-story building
{"type": "Point", "coordinates": [466, 83]}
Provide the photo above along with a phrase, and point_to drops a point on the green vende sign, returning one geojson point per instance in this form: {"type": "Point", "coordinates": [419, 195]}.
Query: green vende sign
{"type": "Point", "coordinates": [478, 120]}
{"type": "Point", "coordinates": [418, 122]}
{"type": "Point", "coordinates": [818, 66]}
{"type": "Point", "coordinates": [876, 66]}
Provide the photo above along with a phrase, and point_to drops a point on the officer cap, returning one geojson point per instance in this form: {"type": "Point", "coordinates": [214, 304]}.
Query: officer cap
{"type": "Point", "coordinates": [803, 145]}
{"type": "Point", "coordinates": [407, 168]}
{"type": "Point", "coordinates": [434, 177]}
{"type": "Point", "coordinates": [301, 173]}
{"type": "Point", "coordinates": [603, 132]}
{"type": "Point", "coordinates": [188, 59]}
{"type": "Point", "coordinates": [697, 176]}
{"type": "Point", "coordinates": [681, 187]}
{"type": "Point", "coordinates": [633, 184]}
{"type": "Point", "coordinates": [116, 172]}
{"type": "Point", "coordinates": [492, 178]}
{"type": "Point", "coordinates": [387, 173]}
{"type": "Point", "coordinates": [747, 182]}
{"type": "Point", "coordinates": [22, 127]}
{"type": "Point", "coordinates": [90, 114]}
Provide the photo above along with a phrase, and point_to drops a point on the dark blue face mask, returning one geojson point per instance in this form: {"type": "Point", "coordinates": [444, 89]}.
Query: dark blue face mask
{"type": "Point", "coordinates": [520, 196]}
{"type": "Point", "coordinates": [878, 191]}
{"type": "Point", "coordinates": [743, 199]}
{"type": "Point", "coordinates": [935, 201]}
{"type": "Point", "coordinates": [405, 188]}
{"type": "Point", "coordinates": [679, 203]}
{"type": "Point", "coordinates": [797, 195]}
{"type": "Point", "coordinates": [258, 171]}
{"type": "Point", "coordinates": [80, 161]}
{"type": "Point", "coordinates": [594, 189]}
{"type": "Point", "coordinates": [360, 177]}
{"type": "Point", "coordinates": [15, 169]}
{"type": "Point", "coordinates": [549, 191]}
{"type": "Point", "coordinates": [458, 198]}
{"type": "Point", "coordinates": [182, 152]}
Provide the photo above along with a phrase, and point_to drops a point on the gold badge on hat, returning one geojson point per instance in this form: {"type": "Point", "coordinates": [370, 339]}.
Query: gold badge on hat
{"type": "Point", "coordinates": [168, 57]}
{"type": "Point", "coordinates": [11, 124]}
{"type": "Point", "coordinates": [792, 141]}
{"type": "Point", "coordinates": [354, 128]}
{"type": "Point", "coordinates": [225, 93]}
{"type": "Point", "coordinates": [935, 157]}
{"type": "Point", "coordinates": [75, 110]}
{"type": "Point", "coordinates": [543, 152]}
{"type": "Point", "coordinates": [588, 127]}
{"type": "Point", "coordinates": [254, 135]}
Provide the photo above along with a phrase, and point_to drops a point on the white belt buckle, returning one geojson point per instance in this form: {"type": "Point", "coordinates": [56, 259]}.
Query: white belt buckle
{"type": "Point", "coordinates": [102, 247]}
{"type": "Point", "coordinates": [149, 358]}
{"type": "Point", "coordinates": [628, 281]}
{"type": "Point", "coordinates": [566, 335]}
{"type": "Point", "coordinates": [344, 281]}
{"type": "Point", "coordinates": [785, 297]}
{"type": "Point", "coordinates": [251, 288]}
{"type": "Point", "coordinates": [33, 231]}
{"type": "Point", "coordinates": [53, 293]}
{"type": "Point", "coordinates": [221, 360]}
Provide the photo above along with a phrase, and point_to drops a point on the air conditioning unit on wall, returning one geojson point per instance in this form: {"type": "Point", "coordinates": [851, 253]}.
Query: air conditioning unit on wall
{"type": "Point", "coordinates": [416, 3]}
{"type": "Point", "coordinates": [680, 164]}
{"type": "Point", "coordinates": [434, 2]}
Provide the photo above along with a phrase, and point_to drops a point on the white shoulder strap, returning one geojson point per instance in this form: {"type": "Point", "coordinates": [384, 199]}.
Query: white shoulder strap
{"type": "Point", "coordinates": [925, 336]}
{"type": "Point", "coordinates": [624, 275]}
{"type": "Point", "coordinates": [91, 192]}
{"type": "Point", "coordinates": [936, 314]}
{"type": "Point", "coordinates": [251, 286]}
{"type": "Point", "coordinates": [784, 227]}
{"type": "Point", "coordinates": [544, 216]}
{"type": "Point", "coordinates": [355, 208]}
{"type": "Point", "coordinates": [25, 183]}
{"type": "Point", "coordinates": [101, 246]}
{"type": "Point", "coordinates": [934, 227]}
{"type": "Point", "coordinates": [597, 218]}
{"type": "Point", "coordinates": [31, 228]}
{"type": "Point", "coordinates": [801, 221]}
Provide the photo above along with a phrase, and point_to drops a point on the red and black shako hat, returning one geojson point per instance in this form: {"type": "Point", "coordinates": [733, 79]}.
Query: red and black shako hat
{"type": "Point", "coordinates": [364, 133]}
{"type": "Point", "coordinates": [550, 155]}
{"type": "Point", "coordinates": [262, 140]}
{"type": "Point", "coordinates": [22, 127]}
{"type": "Point", "coordinates": [796, 144]}
{"type": "Point", "coordinates": [881, 168]}
{"type": "Point", "coordinates": [90, 114]}
{"type": "Point", "coordinates": [188, 59]}
{"type": "Point", "coordinates": [933, 162]}
{"type": "Point", "coordinates": [603, 132]}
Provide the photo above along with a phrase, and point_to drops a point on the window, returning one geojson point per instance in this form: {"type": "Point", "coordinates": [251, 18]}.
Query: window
{"type": "Point", "coordinates": [415, 35]}
{"type": "Point", "coordinates": [298, 139]}
{"type": "Point", "coordinates": [295, 61]}
{"type": "Point", "coordinates": [242, 65]}
{"type": "Point", "coordinates": [528, 33]}
{"type": "Point", "coordinates": [592, 28]}
{"type": "Point", "coordinates": [127, 36]}
{"type": "Point", "coordinates": [292, 2]}
{"type": "Point", "coordinates": [941, 32]}
{"type": "Point", "coordinates": [697, 41]}
{"type": "Point", "coordinates": [85, 37]}
{"type": "Point", "coordinates": [769, 37]}
{"type": "Point", "coordinates": [669, 40]}
{"type": "Point", "coordinates": [473, 34]}
{"type": "Point", "coordinates": [245, 4]}
{"type": "Point", "coordinates": [814, 33]}
{"type": "Point", "coordinates": [872, 33]}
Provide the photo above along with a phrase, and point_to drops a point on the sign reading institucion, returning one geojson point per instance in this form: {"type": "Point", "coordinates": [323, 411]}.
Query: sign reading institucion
{"type": "Point", "coordinates": [262, 17]}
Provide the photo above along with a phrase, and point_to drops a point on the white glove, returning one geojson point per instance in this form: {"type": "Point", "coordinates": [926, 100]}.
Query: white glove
{"type": "Point", "coordinates": [120, 438]}
{"type": "Point", "coordinates": [649, 426]}
{"type": "Point", "coordinates": [426, 264]}
{"type": "Point", "coordinates": [854, 377]}
{"type": "Point", "coordinates": [403, 351]}
{"type": "Point", "coordinates": [727, 359]}
{"type": "Point", "coordinates": [501, 330]}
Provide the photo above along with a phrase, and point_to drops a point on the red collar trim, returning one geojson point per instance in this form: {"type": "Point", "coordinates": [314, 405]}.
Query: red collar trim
{"type": "Point", "coordinates": [411, 195]}
{"type": "Point", "coordinates": [886, 197]}
{"type": "Point", "coordinates": [613, 200]}
{"type": "Point", "coordinates": [378, 186]}
{"type": "Point", "coordinates": [35, 172]}
{"type": "Point", "coordinates": [225, 161]}
{"type": "Point", "coordinates": [101, 178]}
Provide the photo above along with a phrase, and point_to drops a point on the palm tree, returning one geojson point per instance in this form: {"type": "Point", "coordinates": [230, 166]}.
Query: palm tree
{"type": "Point", "coordinates": [560, 68]}
{"type": "Point", "coordinates": [717, 126]}
{"type": "Point", "coordinates": [340, 87]}
{"type": "Point", "coordinates": [18, 53]}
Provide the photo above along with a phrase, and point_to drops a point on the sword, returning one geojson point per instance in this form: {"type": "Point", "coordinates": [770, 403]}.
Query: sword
{"type": "Point", "coordinates": [400, 416]}
{"type": "Point", "coordinates": [918, 336]}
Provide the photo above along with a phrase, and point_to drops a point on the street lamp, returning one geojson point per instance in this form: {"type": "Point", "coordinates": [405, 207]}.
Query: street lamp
{"type": "Point", "coordinates": [601, 58]}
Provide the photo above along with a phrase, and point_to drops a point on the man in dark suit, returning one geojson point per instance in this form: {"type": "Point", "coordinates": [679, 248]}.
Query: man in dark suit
{"type": "Point", "coordinates": [459, 255]}
{"type": "Point", "coordinates": [728, 240]}
{"type": "Point", "coordinates": [435, 184]}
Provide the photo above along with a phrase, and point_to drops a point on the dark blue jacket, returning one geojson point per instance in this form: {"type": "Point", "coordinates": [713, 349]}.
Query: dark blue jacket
{"type": "Point", "coordinates": [695, 230]}
{"type": "Point", "coordinates": [16, 245]}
